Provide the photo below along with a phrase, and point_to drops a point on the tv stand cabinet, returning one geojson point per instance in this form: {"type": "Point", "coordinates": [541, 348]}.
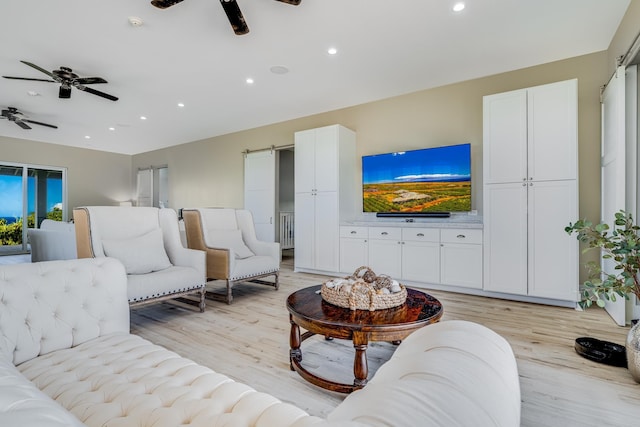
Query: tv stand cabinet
{"type": "Point", "coordinates": [429, 255]}
{"type": "Point", "coordinates": [437, 255]}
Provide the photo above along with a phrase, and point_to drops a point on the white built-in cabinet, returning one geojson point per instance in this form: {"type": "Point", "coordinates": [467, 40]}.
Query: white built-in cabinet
{"type": "Point", "coordinates": [530, 191]}
{"type": "Point", "coordinates": [447, 256]}
{"type": "Point", "coordinates": [324, 195]}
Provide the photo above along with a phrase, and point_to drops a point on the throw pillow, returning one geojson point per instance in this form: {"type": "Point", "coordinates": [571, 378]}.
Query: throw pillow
{"type": "Point", "coordinates": [232, 240]}
{"type": "Point", "coordinates": [140, 255]}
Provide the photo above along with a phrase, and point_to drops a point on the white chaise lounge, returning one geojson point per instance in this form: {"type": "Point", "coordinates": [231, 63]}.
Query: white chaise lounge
{"type": "Point", "coordinates": [67, 359]}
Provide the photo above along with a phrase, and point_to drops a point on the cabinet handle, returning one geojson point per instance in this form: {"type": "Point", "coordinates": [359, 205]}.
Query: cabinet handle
{"type": "Point", "coordinates": [524, 184]}
{"type": "Point", "coordinates": [384, 233]}
{"type": "Point", "coordinates": [524, 179]}
{"type": "Point", "coordinates": [461, 236]}
{"type": "Point", "coordinates": [420, 235]}
{"type": "Point", "coordinates": [354, 232]}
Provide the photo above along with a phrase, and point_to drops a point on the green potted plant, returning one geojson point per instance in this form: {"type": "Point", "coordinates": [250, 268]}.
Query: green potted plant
{"type": "Point", "coordinates": [621, 244]}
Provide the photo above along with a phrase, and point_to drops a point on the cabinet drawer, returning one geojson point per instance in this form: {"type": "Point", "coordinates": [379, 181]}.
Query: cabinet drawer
{"type": "Point", "coordinates": [385, 233]}
{"type": "Point", "coordinates": [355, 232]}
{"type": "Point", "coordinates": [461, 235]}
{"type": "Point", "coordinates": [421, 234]}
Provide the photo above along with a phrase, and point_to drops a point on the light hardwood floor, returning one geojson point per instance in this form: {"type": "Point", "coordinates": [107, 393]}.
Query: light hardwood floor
{"type": "Point", "coordinates": [248, 341]}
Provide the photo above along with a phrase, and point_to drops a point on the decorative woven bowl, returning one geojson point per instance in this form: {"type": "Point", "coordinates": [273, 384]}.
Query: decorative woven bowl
{"type": "Point", "coordinates": [364, 290]}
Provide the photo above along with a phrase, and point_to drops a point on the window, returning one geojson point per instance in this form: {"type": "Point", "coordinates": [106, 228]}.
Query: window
{"type": "Point", "coordinates": [29, 195]}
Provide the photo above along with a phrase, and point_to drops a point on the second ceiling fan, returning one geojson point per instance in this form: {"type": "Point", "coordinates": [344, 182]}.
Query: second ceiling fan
{"type": "Point", "coordinates": [231, 8]}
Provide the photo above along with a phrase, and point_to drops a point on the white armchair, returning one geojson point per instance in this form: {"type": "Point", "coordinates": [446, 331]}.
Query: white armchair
{"type": "Point", "coordinates": [234, 253]}
{"type": "Point", "coordinates": [147, 241]}
{"type": "Point", "coordinates": [54, 240]}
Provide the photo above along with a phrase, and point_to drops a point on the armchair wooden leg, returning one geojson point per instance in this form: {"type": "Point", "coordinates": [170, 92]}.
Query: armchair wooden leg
{"type": "Point", "coordinates": [229, 293]}
{"type": "Point", "coordinates": [203, 304]}
{"type": "Point", "coordinates": [277, 284]}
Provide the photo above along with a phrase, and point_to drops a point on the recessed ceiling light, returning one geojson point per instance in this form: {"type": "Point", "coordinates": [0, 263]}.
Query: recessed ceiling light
{"type": "Point", "coordinates": [279, 69]}
{"type": "Point", "coordinates": [249, 81]}
{"type": "Point", "coordinates": [180, 104]}
{"type": "Point", "coordinates": [458, 7]}
{"type": "Point", "coordinates": [87, 137]}
{"type": "Point", "coordinates": [332, 51]}
{"type": "Point", "coordinates": [112, 128]}
{"type": "Point", "coordinates": [143, 118]}
{"type": "Point", "coordinates": [32, 93]}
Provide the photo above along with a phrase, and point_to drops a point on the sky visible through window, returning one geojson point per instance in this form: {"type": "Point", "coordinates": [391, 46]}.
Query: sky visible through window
{"type": "Point", "coordinates": [11, 196]}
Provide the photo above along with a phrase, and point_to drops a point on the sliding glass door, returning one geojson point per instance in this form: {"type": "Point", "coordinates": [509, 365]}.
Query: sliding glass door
{"type": "Point", "coordinates": [28, 195]}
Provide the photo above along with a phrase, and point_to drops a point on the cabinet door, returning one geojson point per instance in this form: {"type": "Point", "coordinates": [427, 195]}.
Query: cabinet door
{"type": "Point", "coordinates": [304, 161]}
{"type": "Point", "coordinates": [326, 156]}
{"type": "Point", "coordinates": [353, 254]}
{"type": "Point", "coordinates": [304, 230]}
{"type": "Point", "coordinates": [385, 257]}
{"type": "Point", "coordinates": [552, 131]}
{"type": "Point", "coordinates": [553, 254]}
{"type": "Point", "coordinates": [505, 238]}
{"type": "Point", "coordinates": [461, 265]}
{"type": "Point", "coordinates": [421, 261]}
{"type": "Point", "coordinates": [326, 232]}
{"type": "Point", "coordinates": [505, 137]}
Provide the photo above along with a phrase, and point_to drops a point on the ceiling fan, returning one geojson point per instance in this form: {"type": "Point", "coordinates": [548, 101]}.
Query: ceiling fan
{"type": "Point", "coordinates": [13, 115]}
{"type": "Point", "coordinates": [67, 79]}
{"type": "Point", "coordinates": [230, 7]}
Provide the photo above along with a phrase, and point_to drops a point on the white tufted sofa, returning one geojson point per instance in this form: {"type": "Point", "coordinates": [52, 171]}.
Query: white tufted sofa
{"type": "Point", "coordinates": [67, 359]}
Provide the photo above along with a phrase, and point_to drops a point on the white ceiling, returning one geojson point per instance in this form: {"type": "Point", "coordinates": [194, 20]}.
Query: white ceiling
{"type": "Point", "coordinates": [188, 53]}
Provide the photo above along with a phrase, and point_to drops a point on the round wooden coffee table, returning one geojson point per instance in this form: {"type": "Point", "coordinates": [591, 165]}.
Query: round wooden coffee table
{"type": "Point", "coordinates": [309, 311]}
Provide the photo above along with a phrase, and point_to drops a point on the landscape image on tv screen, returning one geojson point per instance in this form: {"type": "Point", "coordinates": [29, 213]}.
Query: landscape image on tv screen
{"type": "Point", "coordinates": [428, 180]}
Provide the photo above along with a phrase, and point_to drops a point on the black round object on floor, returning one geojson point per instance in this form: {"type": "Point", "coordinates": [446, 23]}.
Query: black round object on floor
{"type": "Point", "coordinates": [601, 351]}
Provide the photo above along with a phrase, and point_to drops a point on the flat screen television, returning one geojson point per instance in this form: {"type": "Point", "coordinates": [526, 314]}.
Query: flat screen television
{"type": "Point", "coordinates": [433, 180]}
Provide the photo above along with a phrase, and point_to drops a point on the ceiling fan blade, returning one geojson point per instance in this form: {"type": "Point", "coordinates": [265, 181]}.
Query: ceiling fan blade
{"type": "Point", "coordinates": [97, 92]}
{"type": "Point", "coordinates": [292, 2]}
{"type": "Point", "coordinates": [22, 124]}
{"type": "Point", "coordinates": [64, 92]}
{"type": "Point", "coordinates": [39, 123]}
{"type": "Point", "coordinates": [42, 70]}
{"type": "Point", "coordinates": [89, 80]}
{"type": "Point", "coordinates": [235, 17]}
{"type": "Point", "coordinates": [163, 4]}
{"type": "Point", "coordinates": [27, 78]}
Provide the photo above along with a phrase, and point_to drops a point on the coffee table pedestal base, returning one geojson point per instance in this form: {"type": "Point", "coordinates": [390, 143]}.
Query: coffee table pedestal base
{"type": "Point", "coordinates": [360, 366]}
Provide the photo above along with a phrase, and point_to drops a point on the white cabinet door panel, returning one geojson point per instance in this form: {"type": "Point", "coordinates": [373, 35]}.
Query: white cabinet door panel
{"type": "Point", "coordinates": [304, 161]}
{"type": "Point", "coordinates": [505, 125]}
{"type": "Point", "coordinates": [421, 261]}
{"type": "Point", "coordinates": [461, 265]}
{"type": "Point", "coordinates": [552, 131]}
{"type": "Point", "coordinates": [353, 254]}
{"type": "Point", "coordinates": [505, 238]}
{"type": "Point", "coordinates": [385, 257]}
{"type": "Point", "coordinates": [553, 254]}
{"type": "Point", "coordinates": [327, 232]}
{"type": "Point", "coordinates": [304, 230]}
{"type": "Point", "coordinates": [326, 155]}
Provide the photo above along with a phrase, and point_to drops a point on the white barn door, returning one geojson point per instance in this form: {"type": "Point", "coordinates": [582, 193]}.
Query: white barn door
{"type": "Point", "coordinates": [613, 171]}
{"type": "Point", "coordinates": [260, 192]}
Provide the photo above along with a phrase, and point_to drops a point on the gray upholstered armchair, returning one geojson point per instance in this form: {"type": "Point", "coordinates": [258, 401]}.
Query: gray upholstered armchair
{"type": "Point", "coordinates": [234, 253]}
{"type": "Point", "coordinates": [147, 241]}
